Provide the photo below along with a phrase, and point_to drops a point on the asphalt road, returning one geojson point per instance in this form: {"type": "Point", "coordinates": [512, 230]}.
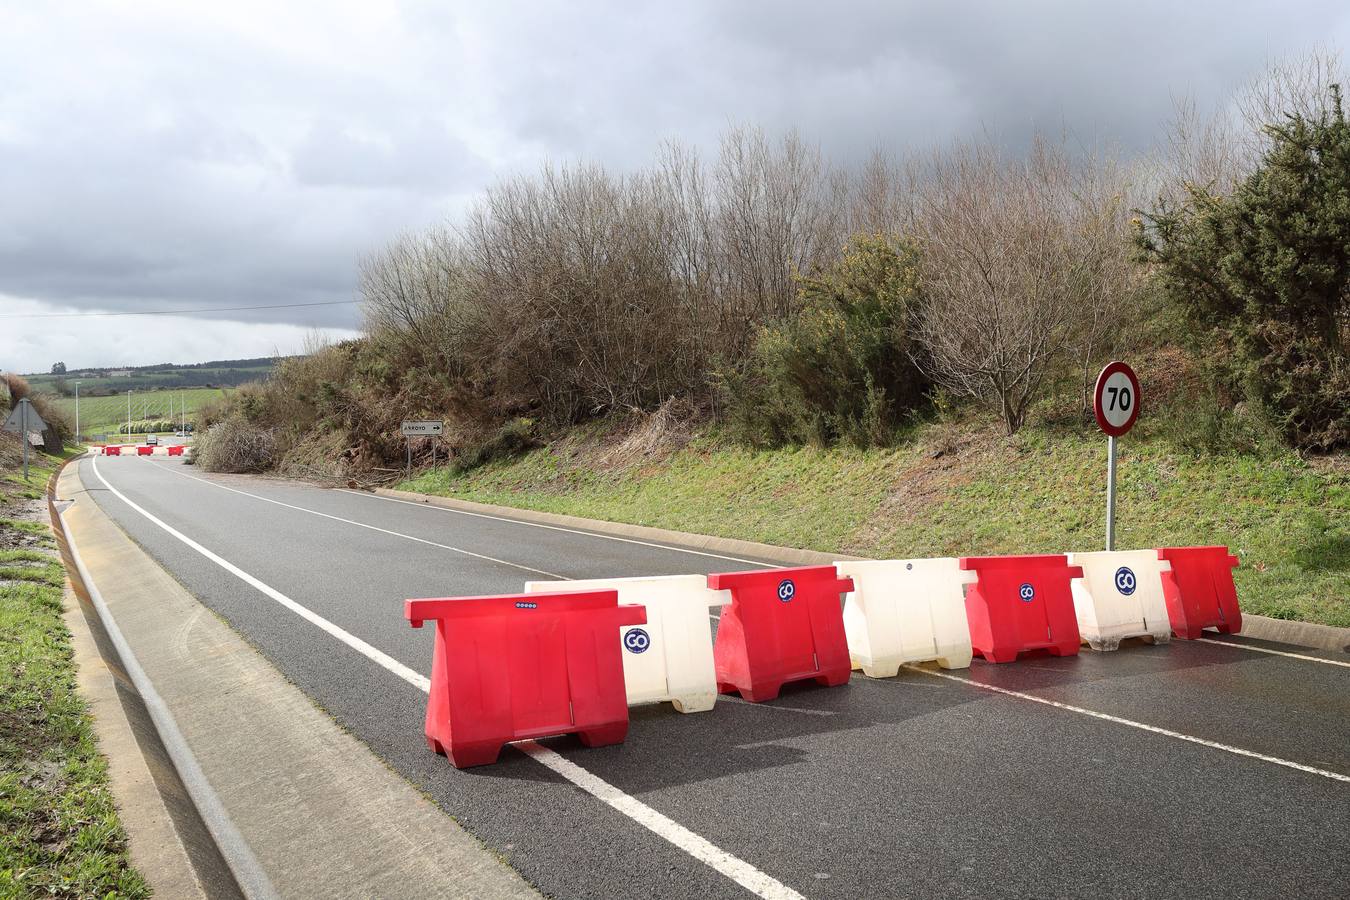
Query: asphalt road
{"type": "Point", "coordinates": [1163, 771]}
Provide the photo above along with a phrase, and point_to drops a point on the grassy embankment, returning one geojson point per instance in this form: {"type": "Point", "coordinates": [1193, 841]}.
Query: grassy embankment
{"type": "Point", "coordinates": [104, 415]}
{"type": "Point", "coordinates": [59, 831]}
{"type": "Point", "coordinates": [961, 490]}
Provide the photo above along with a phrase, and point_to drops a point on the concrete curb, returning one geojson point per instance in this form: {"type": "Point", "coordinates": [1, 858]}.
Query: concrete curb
{"type": "Point", "coordinates": [220, 863]}
{"type": "Point", "coordinates": [789, 556]}
{"type": "Point", "coordinates": [1301, 634]}
{"type": "Point", "coordinates": [320, 813]}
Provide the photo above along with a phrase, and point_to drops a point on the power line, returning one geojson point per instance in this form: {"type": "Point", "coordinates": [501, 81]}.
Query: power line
{"type": "Point", "coordinates": [173, 312]}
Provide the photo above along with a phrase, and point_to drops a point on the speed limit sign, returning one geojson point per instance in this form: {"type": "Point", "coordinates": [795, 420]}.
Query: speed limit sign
{"type": "Point", "coordinates": [1116, 401]}
{"type": "Point", "coordinates": [1116, 404]}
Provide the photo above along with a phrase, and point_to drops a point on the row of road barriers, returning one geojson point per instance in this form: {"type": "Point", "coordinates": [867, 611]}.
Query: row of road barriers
{"type": "Point", "coordinates": [570, 657]}
{"type": "Point", "coordinates": [141, 449]}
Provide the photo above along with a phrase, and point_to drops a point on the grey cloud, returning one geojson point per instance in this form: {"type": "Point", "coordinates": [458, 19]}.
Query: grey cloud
{"type": "Point", "coordinates": [169, 156]}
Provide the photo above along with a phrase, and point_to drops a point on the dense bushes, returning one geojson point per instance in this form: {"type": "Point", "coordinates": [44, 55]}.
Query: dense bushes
{"type": "Point", "coordinates": [844, 368]}
{"type": "Point", "coordinates": [995, 279]}
{"type": "Point", "coordinates": [148, 426]}
{"type": "Point", "coordinates": [1263, 276]}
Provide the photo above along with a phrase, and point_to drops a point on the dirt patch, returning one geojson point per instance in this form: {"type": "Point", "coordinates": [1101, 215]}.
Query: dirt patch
{"type": "Point", "coordinates": [651, 437]}
{"type": "Point", "coordinates": [952, 455]}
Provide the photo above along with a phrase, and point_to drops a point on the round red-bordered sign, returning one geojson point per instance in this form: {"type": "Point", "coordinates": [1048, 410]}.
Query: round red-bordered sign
{"type": "Point", "coordinates": [1116, 399]}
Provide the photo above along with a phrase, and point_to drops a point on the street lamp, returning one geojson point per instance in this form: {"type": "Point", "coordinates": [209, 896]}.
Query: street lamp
{"type": "Point", "coordinates": [77, 412]}
{"type": "Point", "coordinates": [128, 414]}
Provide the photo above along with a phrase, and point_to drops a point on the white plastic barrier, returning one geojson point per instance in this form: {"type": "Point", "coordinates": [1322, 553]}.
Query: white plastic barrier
{"type": "Point", "coordinates": [906, 610]}
{"type": "Point", "coordinates": [1120, 596]}
{"type": "Point", "coordinates": [670, 657]}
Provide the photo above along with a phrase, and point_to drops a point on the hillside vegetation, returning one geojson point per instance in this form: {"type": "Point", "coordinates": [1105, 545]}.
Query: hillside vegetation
{"type": "Point", "coordinates": [894, 358]}
{"type": "Point", "coordinates": [955, 489]}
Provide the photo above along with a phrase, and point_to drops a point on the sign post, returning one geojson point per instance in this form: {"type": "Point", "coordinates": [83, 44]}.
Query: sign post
{"type": "Point", "coordinates": [419, 429]}
{"type": "Point", "coordinates": [23, 433]}
{"type": "Point", "coordinates": [1115, 402]}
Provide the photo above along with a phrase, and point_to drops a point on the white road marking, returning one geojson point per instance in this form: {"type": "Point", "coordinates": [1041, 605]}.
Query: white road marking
{"type": "Point", "coordinates": [350, 640]}
{"type": "Point", "coordinates": [739, 871]}
{"type": "Point", "coordinates": [1106, 717]}
{"type": "Point", "coordinates": [747, 876]}
{"type": "Point", "coordinates": [608, 537]}
{"type": "Point", "coordinates": [410, 537]}
{"type": "Point", "coordinates": [1316, 659]}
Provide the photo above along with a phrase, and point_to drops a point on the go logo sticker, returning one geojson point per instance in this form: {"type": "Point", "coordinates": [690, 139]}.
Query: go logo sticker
{"type": "Point", "coordinates": [1125, 581]}
{"type": "Point", "coordinates": [1027, 593]}
{"type": "Point", "coordinates": [636, 640]}
{"type": "Point", "coordinates": [786, 590]}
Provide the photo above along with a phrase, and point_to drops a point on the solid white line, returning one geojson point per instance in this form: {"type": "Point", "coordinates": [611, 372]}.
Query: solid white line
{"type": "Point", "coordinates": [608, 537]}
{"type": "Point", "coordinates": [350, 640]}
{"type": "Point", "coordinates": [1106, 717]}
{"type": "Point", "coordinates": [739, 871]}
{"type": "Point", "coordinates": [1316, 659]}
{"type": "Point", "coordinates": [315, 512]}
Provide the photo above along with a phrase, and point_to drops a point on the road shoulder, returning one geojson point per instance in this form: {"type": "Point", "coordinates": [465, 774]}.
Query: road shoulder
{"type": "Point", "coordinates": [273, 759]}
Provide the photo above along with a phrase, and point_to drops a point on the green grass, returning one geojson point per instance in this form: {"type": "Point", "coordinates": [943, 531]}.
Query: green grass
{"type": "Point", "coordinates": [59, 831]}
{"type": "Point", "coordinates": [1041, 491]}
{"type": "Point", "coordinates": [99, 415]}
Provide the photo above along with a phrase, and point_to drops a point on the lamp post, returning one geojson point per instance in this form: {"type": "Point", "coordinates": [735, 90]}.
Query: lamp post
{"type": "Point", "coordinates": [77, 412]}
{"type": "Point", "coordinates": [128, 415]}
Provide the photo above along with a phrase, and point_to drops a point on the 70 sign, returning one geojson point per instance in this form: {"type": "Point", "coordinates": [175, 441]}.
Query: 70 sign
{"type": "Point", "coordinates": [1116, 405]}
{"type": "Point", "coordinates": [1116, 400]}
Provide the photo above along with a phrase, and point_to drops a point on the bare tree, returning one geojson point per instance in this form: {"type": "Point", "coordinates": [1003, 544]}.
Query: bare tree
{"type": "Point", "coordinates": [1213, 150]}
{"type": "Point", "coordinates": [1014, 253]}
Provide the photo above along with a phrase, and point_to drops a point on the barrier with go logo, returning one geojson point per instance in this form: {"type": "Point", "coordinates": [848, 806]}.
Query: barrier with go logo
{"type": "Point", "coordinates": [1021, 603]}
{"type": "Point", "coordinates": [670, 658]}
{"type": "Point", "coordinates": [1119, 596]}
{"type": "Point", "coordinates": [521, 666]}
{"type": "Point", "coordinates": [906, 610]}
{"type": "Point", "coordinates": [782, 625]}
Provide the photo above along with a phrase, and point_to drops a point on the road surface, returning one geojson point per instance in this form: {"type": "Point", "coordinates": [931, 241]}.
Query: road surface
{"type": "Point", "coordinates": [1204, 769]}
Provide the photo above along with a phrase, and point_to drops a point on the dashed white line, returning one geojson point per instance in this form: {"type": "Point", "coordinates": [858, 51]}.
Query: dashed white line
{"type": "Point", "coordinates": [1255, 649]}
{"type": "Point", "coordinates": [738, 870]}
{"type": "Point", "coordinates": [593, 534]}
{"type": "Point", "coordinates": [410, 537]}
{"type": "Point", "coordinates": [1107, 717]}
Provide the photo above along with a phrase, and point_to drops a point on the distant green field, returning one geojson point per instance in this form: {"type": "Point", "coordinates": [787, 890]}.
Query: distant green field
{"type": "Point", "coordinates": [104, 414]}
{"type": "Point", "coordinates": [178, 379]}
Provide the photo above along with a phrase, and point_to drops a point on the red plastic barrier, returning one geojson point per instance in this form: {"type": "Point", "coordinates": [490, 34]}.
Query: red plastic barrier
{"type": "Point", "coordinates": [1199, 590]}
{"type": "Point", "coordinates": [144, 451]}
{"type": "Point", "coordinates": [112, 451]}
{"type": "Point", "coordinates": [175, 449]}
{"type": "Point", "coordinates": [782, 625]}
{"type": "Point", "coordinates": [524, 666]}
{"type": "Point", "coordinates": [1021, 603]}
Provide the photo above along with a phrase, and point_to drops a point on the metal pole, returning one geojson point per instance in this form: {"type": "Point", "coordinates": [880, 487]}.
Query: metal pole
{"type": "Point", "coordinates": [408, 441]}
{"type": "Point", "coordinates": [1110, 493]}
{"type": "Point", "coordinates": [23, 433]}
{"type": "Point", "coordinates": [77, 412]}
{"type": "Point", "coordinates": [128, 414]}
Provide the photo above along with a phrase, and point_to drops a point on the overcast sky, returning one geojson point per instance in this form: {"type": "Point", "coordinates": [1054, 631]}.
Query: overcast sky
{"type": "Point", "coordinates": [171, 154]}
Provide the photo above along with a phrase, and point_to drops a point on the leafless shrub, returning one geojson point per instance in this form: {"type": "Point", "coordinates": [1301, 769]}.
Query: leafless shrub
{"type": "Point", "coordinates": [1023, 260]}
{"type": "Point", "coordinates": [1215, 149]}
{"type": "Point", "coordinates": [236, 445]}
